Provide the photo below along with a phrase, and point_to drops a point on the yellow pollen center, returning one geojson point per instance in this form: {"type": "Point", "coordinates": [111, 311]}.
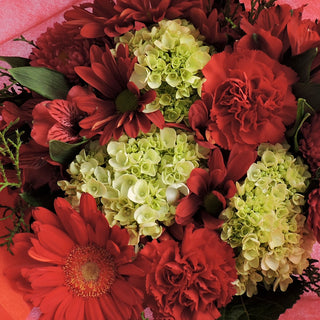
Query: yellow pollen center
{"type": "Point", "coordinates": [89, 271]}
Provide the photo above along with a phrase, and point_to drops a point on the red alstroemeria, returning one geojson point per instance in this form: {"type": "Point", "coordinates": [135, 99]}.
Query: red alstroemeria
{"type": "Point", "coordinates": [210, 189]}
{"type": "Point", "coordinates": [9, 112]}
{"type": "Point", "coordinates": [58, 119]}
{"type": "Point", "coordinates": [37, 167]}
{"type": "Point", "coordinates": [121, 108]}
{"type": "Point", "coordinates": [76, 267]}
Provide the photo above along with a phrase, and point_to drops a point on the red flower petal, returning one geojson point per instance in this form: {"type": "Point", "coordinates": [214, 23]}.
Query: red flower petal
{"type": "Point", "coordinates": [55, 240]}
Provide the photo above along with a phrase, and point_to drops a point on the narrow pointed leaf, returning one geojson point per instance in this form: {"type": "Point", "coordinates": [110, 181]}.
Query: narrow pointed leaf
{"type": "Point", "coordinates": [15, 61]}
{"type": "Point", "coordinates": [48, 83]}
{"type": "Point", "coordinates": [63, 152]}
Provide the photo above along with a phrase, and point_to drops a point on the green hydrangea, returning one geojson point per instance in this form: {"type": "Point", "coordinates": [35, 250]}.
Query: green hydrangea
{"type": "Point", "coordinates": [170, 58]}
{"type": "Point", "coordinates": [136, 182]}
{"type": "Point", "coordinates": [264, 221]}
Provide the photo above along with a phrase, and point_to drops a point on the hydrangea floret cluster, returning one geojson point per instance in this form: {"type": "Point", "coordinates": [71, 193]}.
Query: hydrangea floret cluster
{"type": "Point", "coordinates": [264, 221]}
{"type": "Point", "coordinates": [136, 182]}
{"type": "Point", "coordinates": [170, 58]}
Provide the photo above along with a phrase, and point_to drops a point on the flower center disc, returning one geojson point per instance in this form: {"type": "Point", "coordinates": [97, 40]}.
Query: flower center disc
{"type": "Point", "coordinates": [89, 271]}
{"type": "Point", "coordinates": [126, 101]}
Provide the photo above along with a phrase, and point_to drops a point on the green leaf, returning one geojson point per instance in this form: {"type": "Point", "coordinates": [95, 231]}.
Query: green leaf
{"type": "Point", "coordinates": [63, 152]}
{"type": "Point", "coordinates": [302, 116]}
{"type": "Point", "coordinates": [267, 305]}
{"type": "Point", "coordinates": [302, 63]}
{"type": "Point", "coordinates": [15, 61]}
{"type": "Point", "coordinates": [48, 83]}
{"type": "Point", "coordinates": [310, 92]}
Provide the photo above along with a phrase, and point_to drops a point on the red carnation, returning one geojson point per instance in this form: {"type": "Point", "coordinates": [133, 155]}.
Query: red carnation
{"type": "Point", "coordinates": [59, 49]}
{"type": "Point", "coordinates": [121, 108]}
{"type": "Point", "coordinates": [314, 212]}
{"type": "Point", "coordinates": [75, 266]}
{"type": "Point", "coordinates": [310, 142]}
{"type": "Point", "coordinates": [252, 100]}
{"type": "Point", "coordinates": [191, 280]}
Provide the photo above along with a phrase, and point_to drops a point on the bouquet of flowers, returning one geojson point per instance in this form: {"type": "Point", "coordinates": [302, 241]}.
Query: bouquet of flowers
{"type": "Point", "coordinates": [159, 159]}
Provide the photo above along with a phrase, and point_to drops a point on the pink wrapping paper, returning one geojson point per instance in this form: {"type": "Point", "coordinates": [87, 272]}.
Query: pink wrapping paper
{"type": "Point", "coordinates": [32, 17]}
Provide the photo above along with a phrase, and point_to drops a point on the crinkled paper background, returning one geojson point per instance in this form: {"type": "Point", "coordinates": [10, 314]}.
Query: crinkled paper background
{"type": "Point", "coordinates": [32, 17]}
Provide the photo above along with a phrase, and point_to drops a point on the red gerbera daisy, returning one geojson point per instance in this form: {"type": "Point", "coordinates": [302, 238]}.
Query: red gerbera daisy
{"type": "Point", "coordinates": [76, 267]}
{"type": "Point", "coordinates": [122, 105]}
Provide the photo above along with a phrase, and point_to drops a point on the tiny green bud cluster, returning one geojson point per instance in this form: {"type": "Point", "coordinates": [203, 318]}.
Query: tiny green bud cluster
{"type": "Point", "coordinates": [136, 182]}
{"type": "Point", "coordinates": [170, 58]}
{"type": "Point", "coordinates": [265, 224]}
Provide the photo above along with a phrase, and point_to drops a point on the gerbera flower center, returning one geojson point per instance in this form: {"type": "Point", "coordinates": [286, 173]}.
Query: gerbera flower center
{"type": "Point", "coordinates": [89, 271]}
{"type": "Point", "coordinates": [126, 101]}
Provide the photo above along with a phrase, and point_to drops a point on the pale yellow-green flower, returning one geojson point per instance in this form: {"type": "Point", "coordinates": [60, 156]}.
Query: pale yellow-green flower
{"type": "Point", "coordinates": [264, 221]}
{"type": "Point", "coordinates": [136, 182]}
{"type": "Point", "coordinates": [170, 56]}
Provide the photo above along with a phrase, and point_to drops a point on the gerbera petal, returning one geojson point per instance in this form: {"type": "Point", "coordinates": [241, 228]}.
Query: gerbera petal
{"type": "Point", "coordinates": [92, 310]}
{"type": "Point", "coordinates": [130, 270]}
{"type": "Point", "coordinates": [109, 307]}
{"type": "Point", "coordinates": [41, 254]}
{"type": "Point", "coordinates": [71, 221]}
{"type": "Point", "coordinates": [102, 231]}
{"type": "Point", "coordinates": [88, 208]}
{"type": "Point", "coordinates": [119, 236]}
{"type": "Point", "coordinates": [55, 240]}
{"type": "Point", "coordinates": [45, 216]}
{"type": "Point", "coordinates": [75, 310]}
{"type": "Point", "coordinates": [52, 299]}
{"type": "Point", "coordinates": [46, 277]}
{"type": "Point", "coordinates": [122, 290]}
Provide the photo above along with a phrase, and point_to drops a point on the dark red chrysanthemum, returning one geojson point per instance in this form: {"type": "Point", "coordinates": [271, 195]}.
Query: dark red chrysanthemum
{"type": "Point", "coordinates": [58, 119]}
{"type": "Point", "coordinates": [121, 106]}
{"type": "Point", "coordinates": [309, 144]}
{"type": "Point", "coordinates": [210, 189]}
{"type": "Point", "coordinates": [59, 49]}
{"type": "Point", "coordinates": [191, 280]}
{"type": "Point", "coordinates": [114, 18]}
{"type": "Point", "coordinates": [314, 212]}
{"type": "Point", "coordinates": [76, 267]}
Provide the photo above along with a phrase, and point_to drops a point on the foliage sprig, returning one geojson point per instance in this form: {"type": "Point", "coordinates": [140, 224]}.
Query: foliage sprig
{"type": "Point", "coordinates": [9, 149]}
{"type": "Point", "coordinates": [257, 6]}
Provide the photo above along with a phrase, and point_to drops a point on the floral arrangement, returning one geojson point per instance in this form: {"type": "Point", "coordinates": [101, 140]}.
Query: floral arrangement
{"type": "Point", "coordinates": [160, 160]}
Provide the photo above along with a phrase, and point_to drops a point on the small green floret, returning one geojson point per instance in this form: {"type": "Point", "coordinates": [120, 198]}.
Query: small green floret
{"type": "Point", "coordinates": [264, 221]}
{"type": "Point", "coordinates": [170, 58]}
{"type": "Point", "coordinates": [136, 182]}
